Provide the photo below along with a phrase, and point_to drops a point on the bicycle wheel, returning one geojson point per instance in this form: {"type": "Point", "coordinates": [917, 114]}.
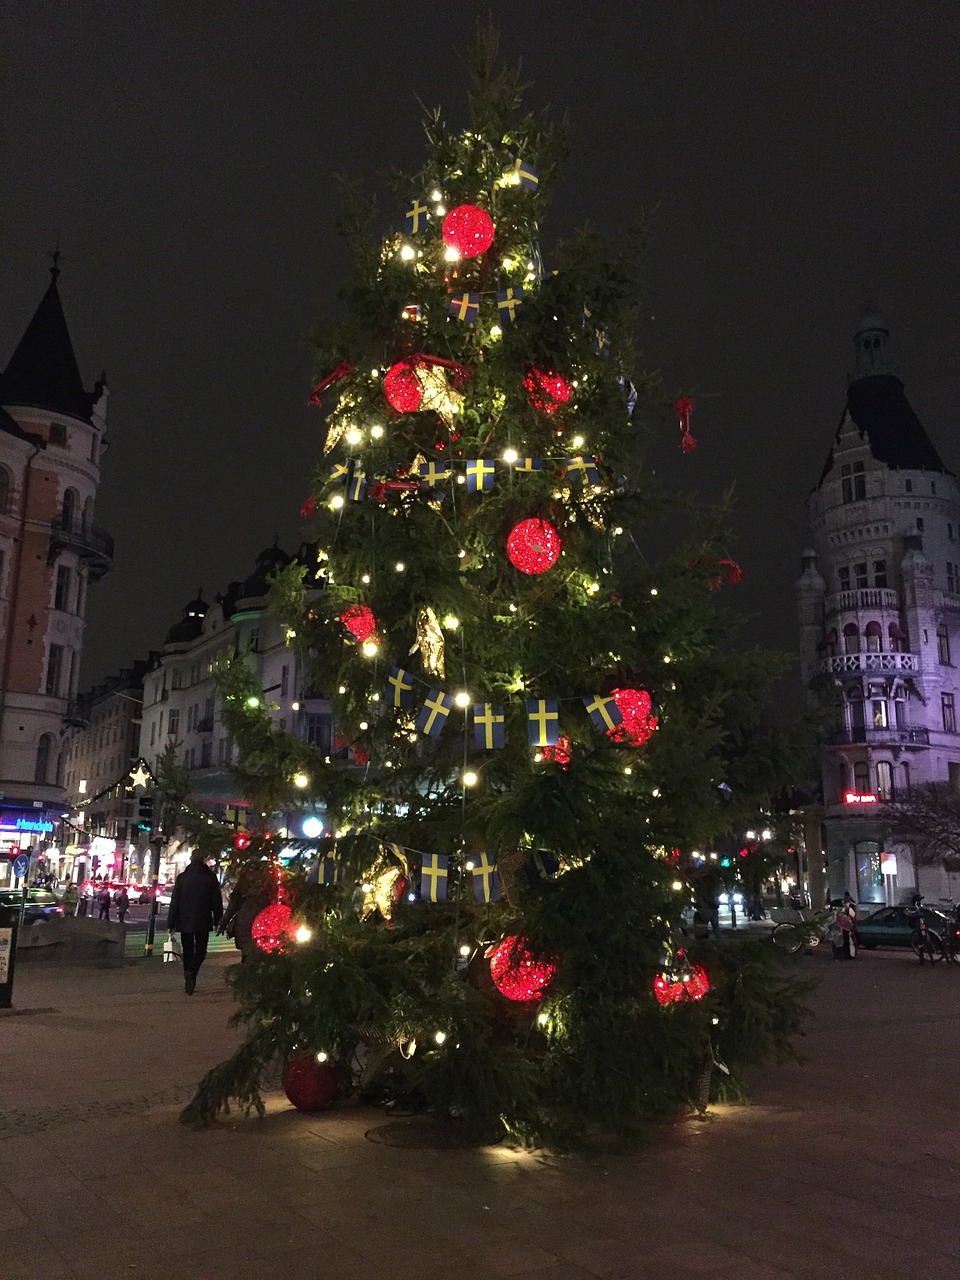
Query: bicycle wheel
{"type": "Point", "coordinates": [788, 937]}
{"type": "Point", "coordinates": [927, 945]}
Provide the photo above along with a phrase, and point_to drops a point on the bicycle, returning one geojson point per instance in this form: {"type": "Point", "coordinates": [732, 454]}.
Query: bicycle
{"type": "Point", "coordinates": [927, 944]}
{"type": "Point", "coordinates": [796, 935]}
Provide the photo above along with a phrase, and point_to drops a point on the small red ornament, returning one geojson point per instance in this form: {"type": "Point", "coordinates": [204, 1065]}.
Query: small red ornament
{"type": "Point", "coordinates": [635, 705]}
{"type": "Point", "coordinates": [402, 387]}
{"type": "Point", "coordinates": [683, 409]}
{"type": "Point", "coordinates": [359, 621]}
{"type": "Point", "coordinates": [667, 991]}
{"type": "Point", "coordinates": [533, 546]}
{"type": "Point", "coordinates": [241, 840]}
{"type": "Point", "coordinates": [469, 230]}
{"type": "Point", "coordinates": [680, 980]}
{"type": "Point", "coordinates": [546, 390]}
{"type": "Point", "coordinates": [561, 753]}
{"type": "Point", "coordinates": [271, 928]}
{"type": "Point", "coordinates": [517, 972]}
{"type": "Point", "coordinates": [698, 984]}
{"type": "Point", "coordinates": [310, 1085]}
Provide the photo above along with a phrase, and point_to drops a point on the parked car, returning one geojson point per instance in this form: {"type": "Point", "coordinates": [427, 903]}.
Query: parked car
{"type": "Point", "coordinates": [42, 904]}
{"type": "Point", "coordinates": [894, 926]}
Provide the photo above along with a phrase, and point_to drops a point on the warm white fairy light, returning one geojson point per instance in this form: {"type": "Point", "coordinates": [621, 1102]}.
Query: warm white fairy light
{"type": "Point", "coordinates": [407, 252]}
{"type": "Point", "coordinates": [363, 726]}
{"type": "Point", "coordinates": [303, 934]}
{"type": "Point", "coordinates": [301, 780]}
{"type": "Point", "coordinates": [365, 579]}
{"type": "Point", "coordinates": [469, 778]}
{"type": "Point", "coordinates": [370, 649]}
{"type": "Point", "coordinates": [578, 442]}
{"type": "Point", "coordinates": [399, 566]}
{"type": "Point", "coordinates": [451, 622]}
{"type": "Point", "coordinates": [376, 432]}
{"type": "Point", "coordinates": [510, 455]}
{"type": "Point", "coordinates": [450, 254]}
{"type": "Point", "coordinates": [463, 699]}
{"type": "Point", "coordinates": [336, 502]}
{"type": "Point", "coordinates": [354, 436]}
{"type": "Point", "coordinates": [439, 1036]}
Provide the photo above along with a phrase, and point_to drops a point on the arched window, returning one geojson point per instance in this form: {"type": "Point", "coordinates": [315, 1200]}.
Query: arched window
{"type": "Point", "coordinates": [851, 638]}
{"type": "Point", "coordinates": [861, 778]}
{"type": "Point", "coordinates": [898, 638]}
{"type": "Point", "coordinates": [830, 642]}
{"type": "Point", "coordinates": [874, 633]}
{"type": "Point", "coordinates": [943, 644]}
{"type": "Point", "coordinates": [71, 503]}
{"type": "Point", "coordinates": [44, 752]}
{"type": "Point", "coordinates": [88, 514]}
{"type": "Point", "coordinates": [884, 779]}
{"type": "Point", "coordinates": [6, 486]}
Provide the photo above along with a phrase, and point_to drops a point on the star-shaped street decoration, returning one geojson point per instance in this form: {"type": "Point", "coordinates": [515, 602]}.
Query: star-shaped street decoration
{"type": "Point", "coordinates": [140, 776]}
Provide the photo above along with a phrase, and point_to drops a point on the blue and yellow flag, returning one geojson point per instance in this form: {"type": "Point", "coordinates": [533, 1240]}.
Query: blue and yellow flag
{"type": "Point", "coordinates": [339, 471]}
{"type": "Point", "coordinates": [600, 343]}
{"type": "Point", "coordinates": [583, 469]}
{"type": "Point", "coordinates": [543, 722]}
{"type": "Point", "coordinates": [396, 851]}
{"type": "Point", "coordinates": [604, 712]}
{"type": "Point", "coordinates": [465, 306]}
{"type": "Point", "coordinates": [357, 487]}
{"type": "Point", "coordinates": [540, 866]}
{"type": "Point", "coordinates": [433, 877]}
{"type": "Point", "coordinates": [416, 217]}
{"type": "Point", "coordinates": [509, 302]}
{"type": "Point", "coordinates": [434, 712]}
{"type": "Point", "coordinates": [487, 726]}
{"type": "Point", "coordinates": [330, 871]}
{"type": "Point", "coordinates": [528, 464]}
{"type": "Point", "coordinates": [432, 473]}
{"type": "Point", "coordinates": [399, 688]}
{"type": "Point", "coordinates": [486, 881]}
{"type": "Point", "coordinates": [526, 175]}
{"type": "Point", "coordinates": [480, 473]}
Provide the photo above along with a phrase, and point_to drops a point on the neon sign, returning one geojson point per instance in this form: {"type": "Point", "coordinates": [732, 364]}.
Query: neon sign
{"type": "Point", "coordinates": [859, 797]}
{"type": "Point", "coordinates": [27, 824]}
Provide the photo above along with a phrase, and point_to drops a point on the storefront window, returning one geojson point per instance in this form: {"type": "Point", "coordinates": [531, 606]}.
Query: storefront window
{"type": "Point", "coordinates": [869, 877]}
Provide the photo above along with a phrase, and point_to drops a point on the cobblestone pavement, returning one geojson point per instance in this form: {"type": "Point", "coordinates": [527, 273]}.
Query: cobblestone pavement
{"type": "Point", "coordinates": [847, 1167]}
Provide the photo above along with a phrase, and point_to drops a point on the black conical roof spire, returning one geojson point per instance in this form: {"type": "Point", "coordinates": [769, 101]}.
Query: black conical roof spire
{"type": "Point", "coordinates": [43, 370]}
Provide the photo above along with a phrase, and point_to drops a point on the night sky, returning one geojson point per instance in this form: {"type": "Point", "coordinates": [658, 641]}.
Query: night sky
{"type": "Point", "coordinates": [803, 157]}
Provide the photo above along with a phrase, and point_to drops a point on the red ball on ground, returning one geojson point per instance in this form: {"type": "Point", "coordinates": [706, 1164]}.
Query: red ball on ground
{"type": "Point", "coordinates": [310, 1085]}
{"type": "Point", "coordinates": [469, 230]}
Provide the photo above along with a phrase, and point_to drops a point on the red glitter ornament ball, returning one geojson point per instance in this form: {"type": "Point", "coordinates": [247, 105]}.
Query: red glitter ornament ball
{"type": "Point", "coordinates": [469, 230]}
{"type": "Point", "coordinates": [560, 753]}
{"type": "Point", "coordinates": [635, 705]}
{"type": "Point", "coordinates": [546, 390]}
{"type": "Point", "coordinates": [533, 546]}
{"type": "Point", "coordinates": [697, 984]}
{"type": "Point", "coordinates": [271, 928]}
{"type": "Point", "coordinates": [517, 973]}
{"type": "Point", "coordinates": [241, 840]}
{"type": "Point", "coordinates": [359, 621]}
{"type": "Point", "coordinates": [402, 387]}
{"type": "Point", "coordinates": [310, 1085]}
{"type": "Point", "coordinates": [667, 991]}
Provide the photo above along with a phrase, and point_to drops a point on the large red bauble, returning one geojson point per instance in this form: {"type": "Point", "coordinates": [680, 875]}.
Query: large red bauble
{"type": "Point", "coordinates": [533, 546]}
{"type": "Point", "coordinates": [561, 753]}
{"type": "Point", "coordinates": [402, 387]}
{"type": "Point", "coordinates": [517, 972]}
{"type": "Point", "coordinates": [469, 230]}
{"type": "Point", "coordinates": [667, 991]}
{"type": "Point", "coordinates": [310, 1085]}
{"type": "Point", "coordinates": [359, 621]}
{"type": "Point", "coordinates": [635, 706]}
{"type": "Point", "coordinates": [271, 929]}
{"type": "Point", "coordinates": [546, 390]}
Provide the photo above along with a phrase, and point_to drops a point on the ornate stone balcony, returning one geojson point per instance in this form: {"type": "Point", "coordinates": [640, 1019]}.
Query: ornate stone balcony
{"type": "Point", "coordinates": [868, 664]}
{"type": "Point", "coordinates": [891, 736]}
{"type": "Point", "coordinates": [93, 545]}
{"type": "Point", "coordinates": [866, 598]}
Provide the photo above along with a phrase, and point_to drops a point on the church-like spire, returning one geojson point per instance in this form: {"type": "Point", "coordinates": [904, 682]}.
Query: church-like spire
{"type": "Point", "coordinates": [870, 342]}
{"type": "Point", "coordinates": [43, 370]}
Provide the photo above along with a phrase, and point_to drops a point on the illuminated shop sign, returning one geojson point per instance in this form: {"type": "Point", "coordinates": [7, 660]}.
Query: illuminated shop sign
{"type": "Point", "coordinates": [27, 824]}
{"type": "Point", "coordinates": [859, 797]}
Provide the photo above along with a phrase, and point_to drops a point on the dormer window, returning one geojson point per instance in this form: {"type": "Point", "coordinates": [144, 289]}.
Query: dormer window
{"type": "Point", "coordinates": [853, 482]}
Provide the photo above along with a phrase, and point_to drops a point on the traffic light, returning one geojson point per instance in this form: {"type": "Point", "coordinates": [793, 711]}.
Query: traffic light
{"type": "Point", "coordinates": [145, 813]}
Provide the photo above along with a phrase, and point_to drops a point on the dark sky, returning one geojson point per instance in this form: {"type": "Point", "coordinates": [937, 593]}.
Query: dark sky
{"type": "Point", "coordinates": [804, 157]}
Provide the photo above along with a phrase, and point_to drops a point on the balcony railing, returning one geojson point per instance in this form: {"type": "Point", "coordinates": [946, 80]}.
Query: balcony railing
{"type": "Point", "coordinates": [93, 545]}
{"type": "Point", "coordinates": [865, 598]}
{"type": "Point", "coordinates": [868, 663]}
{"type": "Point", "coordinates": [880, 737]}
{"type": "Point", "coordinates": [950, 600]}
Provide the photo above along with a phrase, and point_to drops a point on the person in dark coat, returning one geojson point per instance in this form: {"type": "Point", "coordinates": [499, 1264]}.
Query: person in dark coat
{"type": "Point", "coordinates": [196, 906]}
{"type": "Point", "coordinates": [103, 898]}
{"type": "Point", "coordinates": [247, 899]}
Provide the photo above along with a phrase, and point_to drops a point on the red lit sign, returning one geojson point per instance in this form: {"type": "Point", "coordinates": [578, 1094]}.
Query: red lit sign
{"type": "Point", "coordinates": [857, 797]}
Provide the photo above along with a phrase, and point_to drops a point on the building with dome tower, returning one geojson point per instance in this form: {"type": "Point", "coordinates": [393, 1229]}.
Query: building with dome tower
{"type": "Point", "coordinates": [52, 435]}
{"type": "Point", "coordinates": [879, 609]}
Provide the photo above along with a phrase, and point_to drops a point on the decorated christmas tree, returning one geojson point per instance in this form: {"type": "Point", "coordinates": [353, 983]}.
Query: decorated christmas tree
{"type": "Point", "coordinates": [541, 724]}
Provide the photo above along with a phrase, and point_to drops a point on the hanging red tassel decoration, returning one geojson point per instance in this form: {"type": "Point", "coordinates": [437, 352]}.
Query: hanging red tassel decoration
{"type": "Point", "coordinates": [684, 408]}
{"type": "Point", "coordinates": [341, 371]}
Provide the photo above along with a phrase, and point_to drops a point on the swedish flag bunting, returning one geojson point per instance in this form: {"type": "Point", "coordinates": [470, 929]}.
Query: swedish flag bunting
{"type": "Point", "coordinates": [526, 175]}
{"type": "Point", "coordinates": [583, 469]}
{"type": "Point", "coordinates": [600, 343]}
{"type": "Point", "coordinates": [487, 726]}
{"type": "Point", "coordinates": [543, 722]}
{"type": "Point", "coordinates": [465, 306]}
{"type": "Point", "coordinates": [528, 464]}
{"type": "Point", "coordinates": [509, 302]}
{"type": "Point", "coordinates": [357, 487]}
{"type": "Point", "coordinates": [329, 871]}
{"type": "Point", "coordinates": [416, 218]}
{"type": "Point", "coordinates": [480, 473]}
{"type": "Point", "coordinates": [433, 877]}
{"type": "Point", "coordinates": [339, 471]}
{"type": "Point", "coordinates": [432, 473]}
{"type": "Point", "coordinates": [604, 712]}
{"type": "Point", "coordinates": [486, 881]}
{"type": "Point", "coordinates": [399, 688]}
{"type": "Point", "coordinates": [540, 866]}
{"type": "Point", "coordinates": [434, 712]}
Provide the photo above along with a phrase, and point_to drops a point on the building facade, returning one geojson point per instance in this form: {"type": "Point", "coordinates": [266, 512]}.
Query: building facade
{"type": "Point", "coordinates": [52, 434]}
{"type": "Point", "coordinates": [879, 609]}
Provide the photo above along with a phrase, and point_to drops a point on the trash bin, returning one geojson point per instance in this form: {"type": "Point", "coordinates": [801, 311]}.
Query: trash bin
{"type": "Point", "coordinates": [9, 924]}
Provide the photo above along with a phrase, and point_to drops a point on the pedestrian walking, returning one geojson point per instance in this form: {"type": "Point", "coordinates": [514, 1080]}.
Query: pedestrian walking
{"type": "Point", "coordinates": [103, 898]}
{"type": "Point", "coordinates": [707, 904]}
{"type": "Point", "coordinates": [122, 902]}
{"type": "Point", "coordinates": [70, 898]}
{"type": "Point", "coordinates": [196, 906]}
{"type": "Point", "coordinates": [247, 899]}
{"type": "Point", "coordinates": [843, 935]}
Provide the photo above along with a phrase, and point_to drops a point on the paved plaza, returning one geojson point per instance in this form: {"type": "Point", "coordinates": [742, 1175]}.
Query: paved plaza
{"type": "Point", "coordinates": [847, 1167]}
